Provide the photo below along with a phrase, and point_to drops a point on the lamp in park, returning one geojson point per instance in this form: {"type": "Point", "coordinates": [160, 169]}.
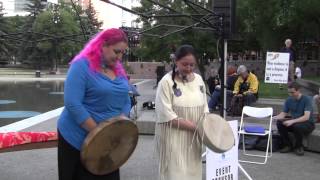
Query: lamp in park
{"type": "Point", "coordinates": [204, 58]}
{"type": "Point", "coordinates": [56, 20]}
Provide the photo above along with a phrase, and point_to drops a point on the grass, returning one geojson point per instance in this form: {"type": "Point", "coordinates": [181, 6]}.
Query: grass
{"type": "Point", "coordinates": [267, 90]}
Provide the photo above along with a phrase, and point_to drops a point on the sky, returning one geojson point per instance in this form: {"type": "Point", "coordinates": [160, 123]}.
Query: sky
{"type": "Point", "coordinates": [110, 15]}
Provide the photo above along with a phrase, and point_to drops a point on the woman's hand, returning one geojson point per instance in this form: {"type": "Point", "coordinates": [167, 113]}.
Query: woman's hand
{"type": "Point", "coordinates": [191, 126]}
{"type": "Point", "coordinates": [184, 124]}
{"type": "Point", "coordinates": [89, 124]}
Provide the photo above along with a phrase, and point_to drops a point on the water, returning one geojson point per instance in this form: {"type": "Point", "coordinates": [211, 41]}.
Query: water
{"type": "Point", "coordinates": [20, 100]}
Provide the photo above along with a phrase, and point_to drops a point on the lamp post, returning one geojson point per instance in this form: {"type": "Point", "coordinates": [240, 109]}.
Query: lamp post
{"type": "Point", "coordinates": [56, 20]}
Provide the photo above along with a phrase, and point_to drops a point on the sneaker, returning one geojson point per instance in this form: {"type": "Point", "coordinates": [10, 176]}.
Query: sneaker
{"type": "Point", "coordinates": [285, 149]}
{"type": "Point", "coordinates": [299, 151]}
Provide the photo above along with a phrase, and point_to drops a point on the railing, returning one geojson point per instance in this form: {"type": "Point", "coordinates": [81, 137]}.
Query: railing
{"type": "Point", "coordinates": [29, 122]}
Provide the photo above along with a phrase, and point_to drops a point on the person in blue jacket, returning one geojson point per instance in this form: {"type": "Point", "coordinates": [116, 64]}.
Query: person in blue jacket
{"type": "Point", "coordinates": [96, 89]}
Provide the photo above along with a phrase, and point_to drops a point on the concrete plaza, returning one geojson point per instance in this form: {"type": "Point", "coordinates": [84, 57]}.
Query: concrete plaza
{"type": "Point", "coordinates": [41, 164]}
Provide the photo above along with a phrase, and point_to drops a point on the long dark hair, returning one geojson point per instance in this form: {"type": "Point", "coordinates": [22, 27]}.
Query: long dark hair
{"type": "Point", "coordinates": [181, 52]}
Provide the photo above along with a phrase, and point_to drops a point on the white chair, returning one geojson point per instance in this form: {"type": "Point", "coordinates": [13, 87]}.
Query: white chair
{"type": "Point", "coordinates": [259, 114]}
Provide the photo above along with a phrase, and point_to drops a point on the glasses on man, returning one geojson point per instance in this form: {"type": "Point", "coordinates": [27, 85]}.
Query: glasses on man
{"type": "Point", "coordinates": [118, 51]}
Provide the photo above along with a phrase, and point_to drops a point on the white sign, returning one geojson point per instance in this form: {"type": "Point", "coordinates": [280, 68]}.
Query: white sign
{"type": "Point", "coordinates": [224, 166]}
{"type": "Point", "coordinates": [53, 1]}
{"type": "Point", "coordinates": [277, 66]}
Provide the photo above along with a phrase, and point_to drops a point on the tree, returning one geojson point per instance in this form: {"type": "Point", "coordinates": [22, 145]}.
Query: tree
{"type": "Point", "coordinates": [14, 24]}
{"type": "Point", "coordinates": [264, 25]}
{"type": "Point", "coordinates": [153, 48]}
{"type": "Point", "coordinates": [55, 46]}
{"type": "Point", "coordinates": [92, 21]}
{"type": "Point", "coordinates": [4, 46]}
{"type": "Point", "coordinates": [27, 49]}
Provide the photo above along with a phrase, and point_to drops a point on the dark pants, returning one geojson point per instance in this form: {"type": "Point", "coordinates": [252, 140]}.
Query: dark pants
{"type": "Point", "coordinates": [249, 98]}
{"type": "Point", "coordinates": [298, 129]}
{"type": "Point", "coordinates": [215, 98]}
{"type": "Point", "coordinates": [71, 168]}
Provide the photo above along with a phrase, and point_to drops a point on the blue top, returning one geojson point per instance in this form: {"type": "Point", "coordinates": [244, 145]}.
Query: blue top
{"type": "Point", "coordinates": [297, 107]}
{"type": "Point", "coordinates": [291, 53]}
{"type": "Point", "coordinates": [90, 94]}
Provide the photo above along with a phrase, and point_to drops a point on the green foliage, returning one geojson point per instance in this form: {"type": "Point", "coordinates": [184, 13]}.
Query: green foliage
{"type": "Point", "coordinates": [12, 25]}
{"type": "Point", "coordinates": [263, 25]}
{"type": "Point", "coordinates": [48, 36]}
{"type": "Point", "coordinates": [56, 49]}
{"type": "Point", "coordinates": [4, 46]}
{"type": "Point", "coordinates": [91, 20]}
{"type": "Point", "coordinates": [153, 48]}
{"type": "Point", "coordinates": [34, 7]}
{"type": "Point", "coordinates": [26, 50]}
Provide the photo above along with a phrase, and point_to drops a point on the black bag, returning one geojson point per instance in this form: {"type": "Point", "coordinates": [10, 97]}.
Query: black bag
{"type": "Point", "coordinates": [236, 106]}
{"type": "Point", "coordinates": [262, 143]}
{"type": "Point", "coordinates": [149, 105]}
{"type": "Point", "coordinates": [250, 141]}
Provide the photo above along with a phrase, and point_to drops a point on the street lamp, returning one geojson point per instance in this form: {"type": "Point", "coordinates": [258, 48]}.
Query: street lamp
{"type": "Point", "coordinates": [56, 20]}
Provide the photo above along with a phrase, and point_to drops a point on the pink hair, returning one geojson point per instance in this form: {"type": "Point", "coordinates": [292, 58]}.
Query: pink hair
{"type": "Point", "coordinates": [93, 49]}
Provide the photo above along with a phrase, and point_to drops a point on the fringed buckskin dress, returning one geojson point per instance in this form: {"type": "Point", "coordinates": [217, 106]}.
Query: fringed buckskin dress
{"type": "Point", "coordinates": [179, 151]}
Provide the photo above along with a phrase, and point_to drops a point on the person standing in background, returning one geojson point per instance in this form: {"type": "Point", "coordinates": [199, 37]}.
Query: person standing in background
{"type": "Point", "coordinates": [288, 49]}
{"type": "Point", "coordinates": [298, 73]}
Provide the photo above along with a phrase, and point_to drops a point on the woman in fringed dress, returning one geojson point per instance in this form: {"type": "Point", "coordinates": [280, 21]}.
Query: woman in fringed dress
{"type": "Point", "coordinates": [180, 104]}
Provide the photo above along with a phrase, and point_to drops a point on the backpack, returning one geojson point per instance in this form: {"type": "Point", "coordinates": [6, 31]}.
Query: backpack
{"type": "Point", "coordinates": [149, 105]}
{"type": "Point", "coordinates": [262, 143]}
{"type": "Point", "coordinates": [250, 141]}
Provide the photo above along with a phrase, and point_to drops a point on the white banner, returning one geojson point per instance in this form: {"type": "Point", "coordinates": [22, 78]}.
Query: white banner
{"type": "Point", "coordinates": [277, 67]}
{"type": "Point", "coordinates": [224, 166]}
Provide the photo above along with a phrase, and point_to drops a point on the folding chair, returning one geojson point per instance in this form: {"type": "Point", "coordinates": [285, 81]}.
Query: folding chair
{"type": "Point", "coordinates": [259, 114]}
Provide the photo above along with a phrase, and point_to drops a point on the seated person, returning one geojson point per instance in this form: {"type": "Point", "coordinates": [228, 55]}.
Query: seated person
{"type": "Point", "coordinates": [215, 96]}
{"type": "Point", "coordinates": [246, 86]}
{"type": "Point", "coordinates": [160, 71]}
{"type": "Point", "coordinates": [213, 82]}
{"type": "Point", "coordinates": [301, 123]}
{"type": "Point", "coordinates": [316, 100]}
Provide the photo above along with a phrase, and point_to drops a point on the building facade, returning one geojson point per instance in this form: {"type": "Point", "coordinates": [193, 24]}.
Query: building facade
{"type": "Point", "coordinates": [112, 16]}
{"type": "Point", "coordinates": [13, 7]}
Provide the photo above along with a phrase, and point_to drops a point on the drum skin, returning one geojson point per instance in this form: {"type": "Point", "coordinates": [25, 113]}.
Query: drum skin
{"type": "Point", "coordinates": [216, 133]}
{"type": "Point", "coordinates": [109, 145]}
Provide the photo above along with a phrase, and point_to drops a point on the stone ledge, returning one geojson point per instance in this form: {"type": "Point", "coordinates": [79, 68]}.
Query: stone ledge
{"type": "Point", "coordinates": [310, 85]}
{"type": "Point", "coordinates": [146, 126]}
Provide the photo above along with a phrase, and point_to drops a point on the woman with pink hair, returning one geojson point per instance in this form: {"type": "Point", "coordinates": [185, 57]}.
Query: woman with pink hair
{"type": "Point", "coordinates": [96, 89]}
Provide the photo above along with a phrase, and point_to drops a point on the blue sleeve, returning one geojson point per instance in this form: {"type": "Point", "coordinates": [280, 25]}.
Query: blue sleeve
{"type": "Point", "coordinates": [127, 107]}
{"type": "Point", "coordinates": [308, 106]}
{"type": "Point", "coordinates": [74, 92]}
{"type": "Point", "coordinates": [286, 106]}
